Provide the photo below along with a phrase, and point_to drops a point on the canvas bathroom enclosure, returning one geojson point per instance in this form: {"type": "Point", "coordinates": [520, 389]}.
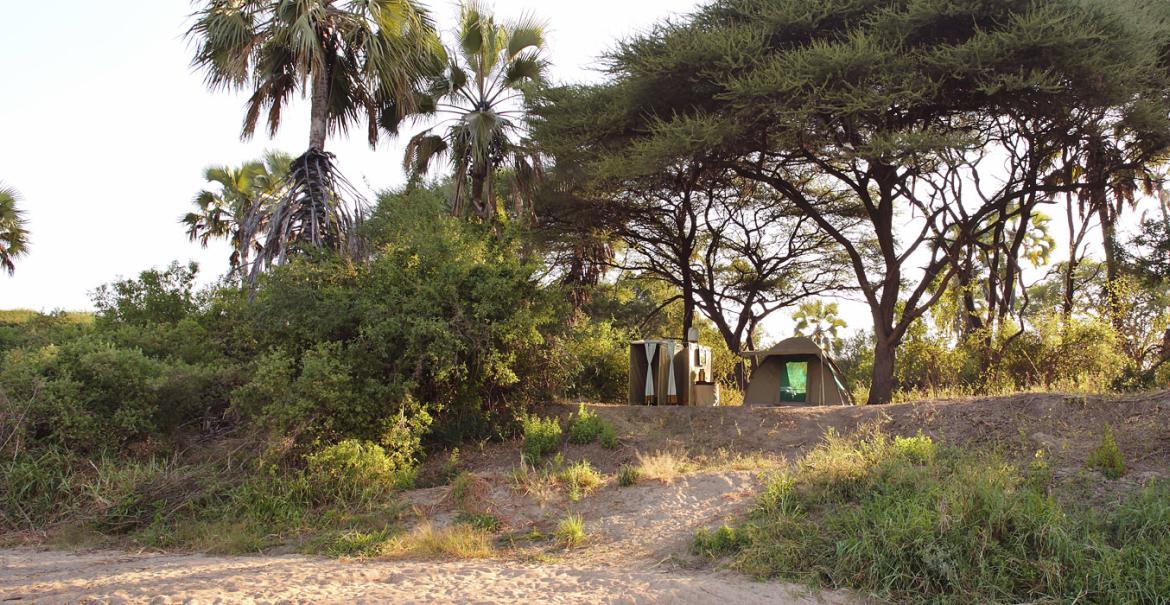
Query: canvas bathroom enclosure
{"type": "Point", "coordinates": [669, 372]}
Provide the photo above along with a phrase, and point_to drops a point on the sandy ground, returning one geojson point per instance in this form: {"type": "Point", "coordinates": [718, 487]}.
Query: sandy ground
{"type": "Point", "coordinates": [28, 576]}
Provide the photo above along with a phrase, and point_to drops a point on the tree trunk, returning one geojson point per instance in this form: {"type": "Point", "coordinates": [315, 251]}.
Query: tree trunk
{"type": "Point", "coordinates": [319, 108]}
{"type": "Point", "coordinates": [1112, 268]}
{"type": "Point", "coordinates": [881, 389]}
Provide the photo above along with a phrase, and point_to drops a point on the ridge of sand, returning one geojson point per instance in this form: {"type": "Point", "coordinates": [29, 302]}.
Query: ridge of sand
{"type": "Point", "coordinates": [30, 576]}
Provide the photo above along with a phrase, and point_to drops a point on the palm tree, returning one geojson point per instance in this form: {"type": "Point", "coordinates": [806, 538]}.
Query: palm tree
{"type": "Point", "coordinates": [13, 234]}
{"type": "Point", "coordinates": [482, 100]}
{"type": "Point", "coordinates": [354, 59]}
{"type": "Point", "coordinates": [222, 210]}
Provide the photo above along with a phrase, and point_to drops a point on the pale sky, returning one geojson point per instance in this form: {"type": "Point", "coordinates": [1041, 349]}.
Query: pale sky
{"type": "Point", "coordinates": [106, 130]}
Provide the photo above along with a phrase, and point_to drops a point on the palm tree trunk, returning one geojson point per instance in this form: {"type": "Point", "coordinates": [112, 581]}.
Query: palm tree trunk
{"type": "Point", "coordinates": [319, 109]}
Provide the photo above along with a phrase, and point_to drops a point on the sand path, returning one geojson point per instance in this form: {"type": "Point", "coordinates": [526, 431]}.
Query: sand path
{"type": "Point", "coordinates": [29, 576]}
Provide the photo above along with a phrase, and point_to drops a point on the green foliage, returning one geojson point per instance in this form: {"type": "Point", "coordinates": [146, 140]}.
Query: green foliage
{"type": "Point", "coordinates": [909, 521]}
{"type": "Point", "coordinates": [597, 353]}
{"type": "Point", "coordinates": [1107, 458]}
{"type": "Point", "coordinates": [542, 436]}
{"type": "Point", "coordinates": [165, 296]}
{"type": "Point", "coordinates": [355, 471]}
{"type": "Point", "coordinates": [628, 475]}
{"type": "Point", "coordinates": [586, 426]}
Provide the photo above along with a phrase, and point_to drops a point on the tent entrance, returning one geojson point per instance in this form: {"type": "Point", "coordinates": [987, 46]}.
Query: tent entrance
{"type": "Point", "coordinates": [794, 381]}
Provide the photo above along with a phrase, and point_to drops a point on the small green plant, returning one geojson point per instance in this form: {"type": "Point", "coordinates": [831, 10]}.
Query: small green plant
{"type": "Point", "coordinates": [723, 541]}
{"type": "Point", "coordinates": [608, 438]}
{"type": "Point", "coordinates": [451, 466]}
{"type": "Point", "coordinates": [357, 544]}
{"type": "Point", "coordinates": [571, 531]}
{"type": "Point", "coordinates": [588, 427]}
{"type": "Point", "coordinates": [1107, 457]}
{"type": "Point", "coordinates": [542, 436]}
{"type": "Point", "coordinates": [580, 479]}
{"type": "Point", "coordinates": [628, 475]}
{"type": "Point", "coordinates": [483, 521]}
{"type": "Point", "coordinates": [585, 426]}
{"type": "Point", "coordinates": [462, 487]}
{"type": "Point", "coordinates": [919, 449]}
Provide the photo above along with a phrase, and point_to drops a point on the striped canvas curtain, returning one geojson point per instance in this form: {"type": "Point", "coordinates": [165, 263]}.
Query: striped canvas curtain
{"type": "Point", "coordinates": [671, 389]}
{"type": "Point", "coordinates": [650, 347]}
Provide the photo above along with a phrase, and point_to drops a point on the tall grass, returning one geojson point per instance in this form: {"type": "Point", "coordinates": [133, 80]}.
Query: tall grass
{"type": "Point", "coordinates": [165, 503]}
{"type": "Point", "coordinates": [909, 520]}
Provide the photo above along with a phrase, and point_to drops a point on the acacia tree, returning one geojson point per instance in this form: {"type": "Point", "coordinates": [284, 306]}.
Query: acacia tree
{"type": "Point", "coordinates": [354, 59]}
{"type": "Point", "coordinates": [864, 105]}
{"type": "Point", "coordinates": [481, 100]}
{"type": "Point", "coordinates": [221, 210]}
{"type": "Point", "coordinates": [13, 233]}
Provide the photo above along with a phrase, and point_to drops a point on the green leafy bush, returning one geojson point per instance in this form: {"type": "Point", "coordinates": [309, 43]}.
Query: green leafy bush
{"type": "Point", "coordinates": [353, 471]}
{"type": "Point", "coordinates": [1107, 457]}
{"type": "Point", "coordinates": [585, 426]}
{"type": "Point", "coordinates": [542, 436]}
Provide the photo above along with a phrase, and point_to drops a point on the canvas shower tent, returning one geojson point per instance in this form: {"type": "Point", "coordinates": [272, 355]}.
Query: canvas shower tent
{"type": "Point", "coordinates": [668, 372]}
{"type": "Point", "coordinates": [795, 372]}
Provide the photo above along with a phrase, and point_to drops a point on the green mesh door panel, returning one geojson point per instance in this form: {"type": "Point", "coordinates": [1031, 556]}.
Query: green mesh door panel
{"type": "Point", "coordinates": [794, 382]}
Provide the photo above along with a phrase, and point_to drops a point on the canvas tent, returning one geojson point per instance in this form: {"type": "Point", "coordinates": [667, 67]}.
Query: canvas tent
{"type": "Point", "coordinates": [795, 372]}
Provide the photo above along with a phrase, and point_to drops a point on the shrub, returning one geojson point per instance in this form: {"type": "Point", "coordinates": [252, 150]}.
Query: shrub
{"type": "Point", "coordinates": [1107, 457]}
{"type": "Point", "coordinates": [608, 438]}
{"type": "Point", "coordinates": [542, 436]}
{"type": "Point", "coordinates": [628, 475]}
{"type": "Point", "coordinates": [585, 426]}
{"type": "Point", "coordinates": [571, 530]}
{"type": "Point", "coordinates": [580, 479]}
{"type": "Point", "coordinates": [353, 471]}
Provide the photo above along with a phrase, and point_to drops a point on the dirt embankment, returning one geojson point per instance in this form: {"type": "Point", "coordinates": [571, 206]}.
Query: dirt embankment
{"type": "Point", "coordinates": [1066, 426]}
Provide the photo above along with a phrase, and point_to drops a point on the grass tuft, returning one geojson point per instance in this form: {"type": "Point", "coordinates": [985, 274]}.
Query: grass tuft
{"type": "Point", "coordinates": [458, 541]}
{"type": "Point", "coordinates": [579, 479]}
{"type": "Point", "coordinates": [628, 475]}
{"type": "Point", "coordinates": [663, 466]}
{"type": "Point", "coordinates": [571, 531]}
{"type": "Point", "coordinates": [1107, 457]}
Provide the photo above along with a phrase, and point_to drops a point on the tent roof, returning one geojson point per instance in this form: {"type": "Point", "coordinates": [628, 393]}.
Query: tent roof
{"type": "Point", "coordinates": [797, 345]}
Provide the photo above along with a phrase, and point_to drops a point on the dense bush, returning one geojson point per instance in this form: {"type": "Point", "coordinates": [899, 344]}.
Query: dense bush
{"type": "Point", "coordinates": [354, 470]}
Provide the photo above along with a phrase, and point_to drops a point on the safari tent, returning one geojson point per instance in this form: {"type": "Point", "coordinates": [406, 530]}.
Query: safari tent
{"type": "Point", "coordinates": [795, 372]}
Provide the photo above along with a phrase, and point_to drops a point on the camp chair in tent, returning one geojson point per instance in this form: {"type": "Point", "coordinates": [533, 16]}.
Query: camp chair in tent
{"type": "Point", "coordinates": [795, 372]}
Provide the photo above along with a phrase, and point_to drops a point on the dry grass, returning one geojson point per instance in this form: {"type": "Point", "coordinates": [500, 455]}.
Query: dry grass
{"type": "Point", "coordinates": [664, 466]}
{"type": "Point", "coordinates": [459, 541]}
